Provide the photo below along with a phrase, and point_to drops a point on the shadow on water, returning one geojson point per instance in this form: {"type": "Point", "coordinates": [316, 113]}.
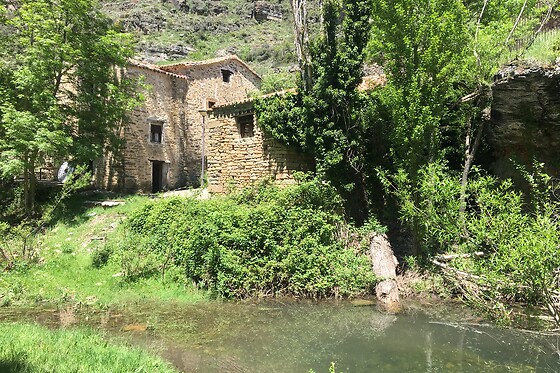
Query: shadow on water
{"type": "Point", "coordinates": [296, 336]}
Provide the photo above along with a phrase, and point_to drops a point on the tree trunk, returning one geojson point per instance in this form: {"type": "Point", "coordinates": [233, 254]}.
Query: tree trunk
{"type": "Point", "coordinates": [471, 146]}
{"type": "Point", "coordinates": [29, 185]}
{"type": "Point", "coordinates": [301, 30]}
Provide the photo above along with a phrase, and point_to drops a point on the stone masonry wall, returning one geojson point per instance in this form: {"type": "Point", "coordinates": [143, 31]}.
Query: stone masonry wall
{"type": "Point", "coordinates": [165, 103]}
{"type": "Point", "coordinates": [174, 102]}
{"type": "Point", "coordinates": [206, 82]}
{"type": "Point", "coordinates": [234, 161]}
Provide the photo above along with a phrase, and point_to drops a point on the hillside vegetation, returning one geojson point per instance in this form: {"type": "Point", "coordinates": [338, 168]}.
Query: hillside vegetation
{"type": "Point", "coordinates": [197, 29]}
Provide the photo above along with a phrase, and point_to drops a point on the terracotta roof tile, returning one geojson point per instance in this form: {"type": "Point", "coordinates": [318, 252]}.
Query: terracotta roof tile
{"type": "Point", "coordinates": [191, 64]}
{"type": "Point", "coordinates": [147, 66]}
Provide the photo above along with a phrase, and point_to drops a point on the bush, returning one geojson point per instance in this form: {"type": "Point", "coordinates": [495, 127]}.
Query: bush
{"type": "Point", "coordinates": [100, 256]}
{"type": "Point", "coordinates": [520, 242]}
{"type": "Point", "coordinates": [262, 241]}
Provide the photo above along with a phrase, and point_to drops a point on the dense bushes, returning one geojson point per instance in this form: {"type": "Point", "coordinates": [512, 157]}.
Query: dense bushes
{"type": "Point", "coordinates": [262, 241]}
{"type": "Point", "coordinates": [520, 240]}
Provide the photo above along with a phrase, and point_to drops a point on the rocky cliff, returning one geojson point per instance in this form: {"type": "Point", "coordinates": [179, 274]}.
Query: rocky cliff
{"type": "Point", "coordinates": [525, 121]}
{"type": "Point", "coordinates": [258, 31]}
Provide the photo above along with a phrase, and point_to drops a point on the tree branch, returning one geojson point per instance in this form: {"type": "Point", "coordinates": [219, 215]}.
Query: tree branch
{"type": "Point", "coordinates": [516, 21]}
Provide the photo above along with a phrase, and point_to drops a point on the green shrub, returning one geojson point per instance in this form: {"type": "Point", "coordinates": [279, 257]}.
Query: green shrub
{"type": "Point", "coordinates": [262, 241]}
{"type": "Point", "coordinates": [100, 256]}
{"type": "Point", "coordinates": [520, 242]}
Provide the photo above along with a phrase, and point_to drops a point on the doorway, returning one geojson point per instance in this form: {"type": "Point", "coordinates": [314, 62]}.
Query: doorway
{"type": "Point", "coordinates": [157, 176]}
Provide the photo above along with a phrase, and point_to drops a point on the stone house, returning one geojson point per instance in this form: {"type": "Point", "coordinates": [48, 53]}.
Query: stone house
{"type": "Point", "coordinates": [239, 153]}
{"type": "Point", "coordinates": [169, 139]}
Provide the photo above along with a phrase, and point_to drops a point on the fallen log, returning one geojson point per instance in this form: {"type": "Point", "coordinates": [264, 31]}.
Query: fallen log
{"type": "Point", "coordinates": [384, 265]}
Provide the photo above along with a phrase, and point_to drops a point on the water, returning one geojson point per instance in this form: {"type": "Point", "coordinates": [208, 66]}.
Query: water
{"type": "Point", "coordinates": [289, 336]}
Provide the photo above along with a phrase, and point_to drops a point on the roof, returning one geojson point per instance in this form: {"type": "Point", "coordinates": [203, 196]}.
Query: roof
{"type": "Point", "coordinates": [244, 106]}
{"type": "Point", "coordinates": [369, 82]}
{"type": "Point", "coordinates": [193, 64]}
{"type": "Point", "coordinates": [147, 66]}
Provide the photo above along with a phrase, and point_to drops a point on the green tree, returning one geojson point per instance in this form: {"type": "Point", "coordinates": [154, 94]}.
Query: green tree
{"type": "Point", "coordinates": [326, 116]}
{"type": "Point", "coordinates": [60, 87]}
{"type": "Point", "coordinates": [440, 58]}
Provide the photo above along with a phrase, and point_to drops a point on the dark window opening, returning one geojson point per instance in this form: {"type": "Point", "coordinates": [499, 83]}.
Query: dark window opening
{"type": "Point", "coordinates": [211, 104]}
{"type": "Point", "coordinates": [156, 133]}
{"type": "Point", "coordinates": [226, 75]}
{"type": "Point", "coordinates": [246, 126]}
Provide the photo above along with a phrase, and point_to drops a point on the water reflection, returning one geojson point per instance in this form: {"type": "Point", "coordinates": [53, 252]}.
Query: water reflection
{"type": "Point", "coordinates": [298, 336]}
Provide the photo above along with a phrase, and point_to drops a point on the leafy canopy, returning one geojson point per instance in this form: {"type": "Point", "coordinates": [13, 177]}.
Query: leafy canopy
{"type": "Point", "coordinates": [60, 90]}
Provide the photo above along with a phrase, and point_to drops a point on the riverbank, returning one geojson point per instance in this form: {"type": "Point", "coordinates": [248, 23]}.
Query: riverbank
{"type": "Point", "coordinates": [63, 269]}
{"type": "Point", "coordinates": [26, 348]}
{"type": "Point", "coordinates": [289, 335]}
{"type": "Point", "coordinates": [259, 242]}
{"type": "Point", "coordinates": [109, 268]}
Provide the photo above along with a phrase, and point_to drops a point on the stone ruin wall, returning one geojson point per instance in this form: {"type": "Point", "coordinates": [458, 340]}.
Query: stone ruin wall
{"type": "Point", "coordinates": [235, 162]}
{"type": "Point", "coordinates": [525, 124]}
{"type": "Point", "coordinates": [206, 82]}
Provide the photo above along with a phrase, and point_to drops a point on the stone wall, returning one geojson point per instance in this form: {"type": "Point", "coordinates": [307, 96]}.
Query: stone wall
{"type": "Point", "coordinates": [525, 121]}
{"type": "Point", "coordinates": [173, 98]}
{"type": "Point", "coordinates": [234, 161]}
{"type": "Point", "coordinates": [206, 82]}
{"type": "Point", "coordinates": [165, 104]}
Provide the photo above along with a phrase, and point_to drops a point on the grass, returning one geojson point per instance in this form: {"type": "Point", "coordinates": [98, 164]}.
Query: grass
{"type": "Point", "coordinates": [65, 272]}
{"type": "Point", "coordinates": [542, 50]}
{"type": "Point", "coordinates": [31, 348]}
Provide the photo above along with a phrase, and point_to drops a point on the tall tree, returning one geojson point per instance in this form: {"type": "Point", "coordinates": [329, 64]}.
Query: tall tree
{"type": "Point", "coordinates": [325, 118]}
{"type": "Point", "coordinates": [60, 89]}
{"type": "Point", "coordinates": [440, 58]}
{"type": "Point", "coordinates": [301, 31]}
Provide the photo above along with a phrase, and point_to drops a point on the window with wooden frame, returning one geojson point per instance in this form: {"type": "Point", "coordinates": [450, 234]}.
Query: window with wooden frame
{"type": "Point", "coordinates": [156, 132]}
{"type": "Point", "coordinates": [246, 125]}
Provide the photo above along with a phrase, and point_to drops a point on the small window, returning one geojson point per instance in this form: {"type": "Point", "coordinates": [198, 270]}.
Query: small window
{"type": "Point", "coordinates": [246, 126]}
{"type": "Point", "coordinates": [156, 132]}
{"type": "Point", "coordinates": [226, 75]}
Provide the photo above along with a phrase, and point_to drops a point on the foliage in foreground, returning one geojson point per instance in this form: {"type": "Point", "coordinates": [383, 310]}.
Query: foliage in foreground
{"type": "Point", "coordinates": [263, 241]}
{"type": "Point", "coordinates": [60, 93]}
{"type": "Point", "coordinates": [520, 243]}
{"type": "Point", "coordinates": [30, 348]}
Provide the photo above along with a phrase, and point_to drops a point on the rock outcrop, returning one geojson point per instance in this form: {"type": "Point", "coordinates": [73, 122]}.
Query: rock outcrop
{"type": "Point", "coordinates": [525, 122]}
{"type": "Point", "coordinates": [385, 265]}
{"type": "Point", "coordinates": [266, 11]}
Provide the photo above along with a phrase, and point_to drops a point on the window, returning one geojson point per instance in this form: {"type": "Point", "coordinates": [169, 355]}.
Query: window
{"type": "Point", "coordinates": [156, 132]}
{"type": "Point", "coordinates": [246, 126]}
{"type": "Point", "coordinates": [226, 75]}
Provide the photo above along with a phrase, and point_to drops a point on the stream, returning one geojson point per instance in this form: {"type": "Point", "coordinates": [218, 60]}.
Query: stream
{"type": "Point", "coordinates": [296, 336]}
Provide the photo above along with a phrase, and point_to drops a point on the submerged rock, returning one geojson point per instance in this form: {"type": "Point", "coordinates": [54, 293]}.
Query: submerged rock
{"type": "Point", "coordinates": [362, 302]}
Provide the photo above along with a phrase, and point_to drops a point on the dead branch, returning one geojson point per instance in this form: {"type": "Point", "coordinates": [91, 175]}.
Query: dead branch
{"type": "Point", "coordinates": [471, 96]}
{"type": "Point", "coordinates": [458, 272]}
{"type": "Point", "coordinates": [477, 31]}
{"type": "Point", "coordinates": [448, 257]}
{"type": "Point", "coordinates": [544, 20]}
